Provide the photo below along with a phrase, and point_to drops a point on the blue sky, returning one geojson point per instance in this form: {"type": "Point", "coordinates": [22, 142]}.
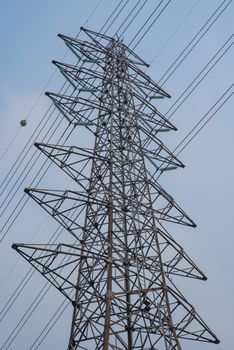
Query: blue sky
{"type": "Point", "coordinates": [204, 188]}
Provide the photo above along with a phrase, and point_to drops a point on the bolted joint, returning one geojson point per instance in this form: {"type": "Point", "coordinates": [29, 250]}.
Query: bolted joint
{"type": "Point", "coordinates": [109, 295]}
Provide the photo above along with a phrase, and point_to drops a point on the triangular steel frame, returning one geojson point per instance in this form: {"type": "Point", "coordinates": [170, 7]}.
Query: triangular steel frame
{"type": "Point", "coordinates": [119, 272]}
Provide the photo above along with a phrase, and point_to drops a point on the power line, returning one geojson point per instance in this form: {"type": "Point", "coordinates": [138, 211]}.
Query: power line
{"type": "Point", "coordinates": [131, 21]}
{"type": "Point", "coordinates": [175, 31]}
{"type": "Point", "coordinates": [45, 87]}
{"type": "Point", "coordinates": [18, 159]}
{"type": "Point", "coordinates": [53, 110]}
{"type": "Point", "coordinates": [191, 41]}
{"type": "Point", "coordinates": [198, 123]}
{"type": "Point", "coordinates": [151, 25]}
{"type": "Point", "coordinates": [140, 153]}
{"type": "Point", "coordinates": [145, 23]}
{"type": "Point", "coordinates": [9, 201]}
{"type": "Point", "coordinates": [184, 147]}
{"type": "Point", "coordinates": [203, 118]}
{"type": "Point", "coordinates": [19, 211]}
{"type": "Point", "coordinates": [227, 47]}
{"type": "Point", "coordinates": [50, 324]}
{"type": "Point", "coordinates": [10, 144]}
{"type": "Point", "coordinates": [161, 81]}
{"type": "Point", "coordinates": [26, 201]}
{"type": "Point", "coordinates": [199, 81]}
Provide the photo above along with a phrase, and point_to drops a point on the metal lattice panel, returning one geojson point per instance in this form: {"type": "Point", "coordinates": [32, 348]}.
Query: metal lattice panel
{"type": "Point", "coordinates": [118, 273]}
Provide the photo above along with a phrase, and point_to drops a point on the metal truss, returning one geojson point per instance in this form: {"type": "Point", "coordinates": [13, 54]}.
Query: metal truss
{"type": "Point", "coordinates": [118, 272]}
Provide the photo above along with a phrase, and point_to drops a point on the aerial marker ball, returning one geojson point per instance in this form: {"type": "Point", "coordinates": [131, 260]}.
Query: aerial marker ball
{"type": "Point", "coordinates": [23, 122]}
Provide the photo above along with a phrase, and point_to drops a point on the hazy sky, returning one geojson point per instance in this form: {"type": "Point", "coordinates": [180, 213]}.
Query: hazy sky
{"type": "Point", "coordinates": [204, 188]}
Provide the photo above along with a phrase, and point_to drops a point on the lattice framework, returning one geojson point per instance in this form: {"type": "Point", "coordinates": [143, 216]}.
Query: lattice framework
{"type": "Point", "coordinates": [118, 272]}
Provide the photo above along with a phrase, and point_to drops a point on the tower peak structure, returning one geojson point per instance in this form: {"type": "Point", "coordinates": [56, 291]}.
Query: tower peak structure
{"type": "Point", "coordinates": [118, 272]}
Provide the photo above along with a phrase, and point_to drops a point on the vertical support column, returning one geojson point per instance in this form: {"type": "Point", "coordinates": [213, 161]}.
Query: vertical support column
{"type": "Point", "coordinates": [123, 101]}
{"type": "Point", "coordinates": [112, 67]}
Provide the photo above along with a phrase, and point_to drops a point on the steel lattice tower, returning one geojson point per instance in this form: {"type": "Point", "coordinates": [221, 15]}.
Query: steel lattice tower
{"type": "Point", "coordinates": [118, 273]}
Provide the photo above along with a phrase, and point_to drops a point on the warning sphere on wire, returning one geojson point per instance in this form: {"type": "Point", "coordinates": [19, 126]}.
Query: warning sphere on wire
{"type": "Point", "coordinates": [23, 122]}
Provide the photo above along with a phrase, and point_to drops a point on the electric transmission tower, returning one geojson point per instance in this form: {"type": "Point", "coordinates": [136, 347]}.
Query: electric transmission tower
{"type": "Point", "coordinates": [118, 272]}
